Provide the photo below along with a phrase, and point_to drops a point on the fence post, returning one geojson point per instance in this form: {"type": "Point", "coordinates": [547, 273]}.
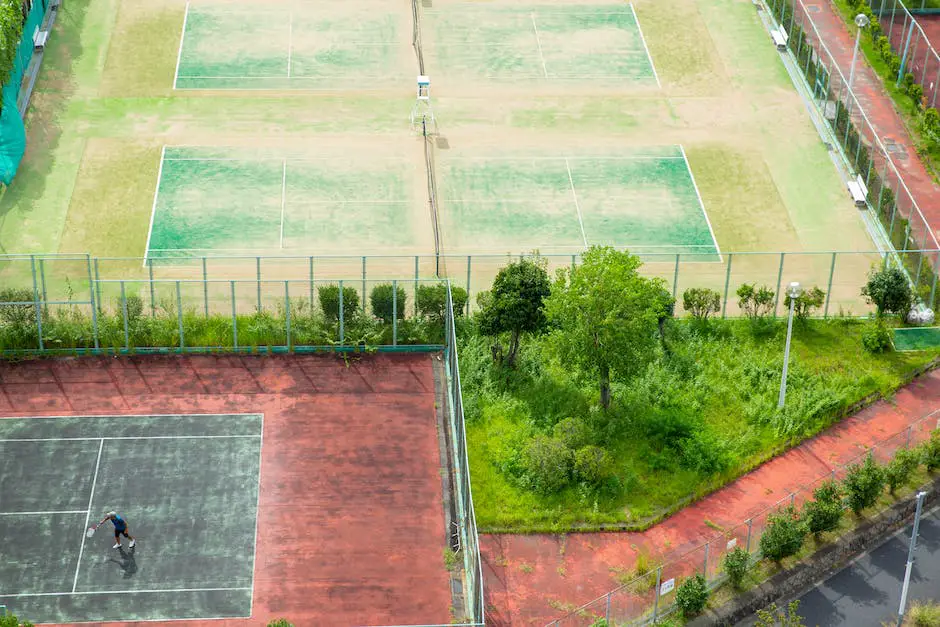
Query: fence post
{"type": "Point", "coordinates": [127, 335]}
{"type": "Point", "coordinates": [675, 278]}
{"type": "Point", "coordinates": [573, 263]}
{"type": "Point", "coordinates": [779, 279]}
{"type": "Point", "coordinates": [724, 305]}
{"type": "Point", "coordinates": [394, 312]}
{"type": "Point", "coordinates": [42, 282]}
{"type": "Point", "coordinates": [153, 292]}
{"type": "Point", "coordinates": [705, 565]}
{"type": "Point", "coordinates": [205, 285]}
{"type": "Point", "coordinates": [363, 284]}
{"type": "Point", "coordinates": [832, 269]}
{"type": "Point", "coordinates": [97, 285]}
{"type": "Point", "coordinates": [910, 34]}
{"type": "Point", "coordinates": [179, 314]}
{"type": "Point", "coordinates": [94, 305]}
{"type": "Point", "coordinates": [792, 498]}
{"type": "Point", "coordinates": [342, 331]}
{"type": "Point", "coordinates": [234, 320]}
{"type": "Point", "coordinates": [32, 264]}
{"type": "Point", "coordinates": [416, 286]}
{"type": "Point", "coordinates": [311, 284]}
{"type": "Point", "coordinates": [468, 284]}
{"type": "Point", "coordinates": [659, 575]}
{"type": "Point", "coordinates": [747, 542]}
{"type": "Point", "coordinates": [258, 275]}
{"type": "Point", "coordinates": [607, 610]}
{"type": "Point", "coordinates": [933, 283]}
{"type": "Point", "coordinates": [909, 430]}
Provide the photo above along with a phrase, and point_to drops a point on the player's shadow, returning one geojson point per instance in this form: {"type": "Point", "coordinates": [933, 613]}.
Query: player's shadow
{"type": "Point", "coordinates": [127, 562]}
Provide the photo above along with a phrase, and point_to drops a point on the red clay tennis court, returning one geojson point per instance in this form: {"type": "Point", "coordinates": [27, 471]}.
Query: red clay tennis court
{"type": "Point", "coordinates": [350, 505]}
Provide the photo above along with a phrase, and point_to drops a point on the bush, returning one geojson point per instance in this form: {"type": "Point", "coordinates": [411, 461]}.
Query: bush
{"type": "Point", "coordinates": [280, 622]}
{"type": "Point", "coordinates": [692, 595]}
{"type": "Point", "coordinates": [864, 483]}
{"type": "Point", "coordinates": [700, 302]}
{"type": "Point", "coordinates": [876, 337]}
{"type": "Point", "coordinates": [755, 302]}
{"type": "Point", "coordinates": [900, 469]}
{"type": "Point", "coordinates": [783, 535]}
{"type": "Point", "coordinates": [387, 302]}
{"type": "Point", "coordinates": [573, 432]}
{"type": "Point", "coordinates": [824, 512]}
{"type": "Point", "coordinates": [924, 614]}
{"type": "Point", "coordinates": [736, 564]}
{"type": "Point", "coordinates": [930, 451]}
{"type": "Point", "coordinates": [547, 464]}
{"type": "Point", "coordinates": [889, 290]}
{"type": "Point", "coordinates": [432, 301]}
{"type": "Point", "coordinates": [10, 620]}
{"type": "Point", "coordinates": [17, 315]}
{"type": "Point", "coordinates": [806, 302]}
{"type": "Point", "coordinates": [916, 92]}
{"type": "Point", "coordinates": [592, 465]}
{"type": "Point", "coordinates": [135, 308]}
{"type": "Point", "coordinates": [329, 301]}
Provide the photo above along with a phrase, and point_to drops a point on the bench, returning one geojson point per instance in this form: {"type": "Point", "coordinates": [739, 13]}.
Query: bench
{"type": "Point", "coordinates": [39, 38]}
{"type": "Point", "coordinates": [780, 37]}
{"type": "Point", "coordinates": [859, 191]}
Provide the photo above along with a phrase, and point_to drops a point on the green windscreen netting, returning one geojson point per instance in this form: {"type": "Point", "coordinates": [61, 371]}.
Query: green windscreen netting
{"type": "Point", "coordinates": [917, 338]}
{"type": "Point", "coordinates": [12, 130]}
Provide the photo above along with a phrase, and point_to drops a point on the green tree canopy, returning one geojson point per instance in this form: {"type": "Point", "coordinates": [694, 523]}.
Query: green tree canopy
{"type": "Point", "coordinates": [889, 291]}
{"type": "Point", "coordinates": [606, 316]}
{"type": "Point", "coordinates": [517, 303]}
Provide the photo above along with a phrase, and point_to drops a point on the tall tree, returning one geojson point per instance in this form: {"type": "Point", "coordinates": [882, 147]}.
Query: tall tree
{"type": "Point", "coordinates": [606, 316]}
{"type": "Point", "coordinates": [889, 290]}
{"type": "Point", "coordinates": [516, 304]}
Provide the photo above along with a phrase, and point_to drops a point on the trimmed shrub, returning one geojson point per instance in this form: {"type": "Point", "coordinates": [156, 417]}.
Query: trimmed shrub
{"type": "Point", "coordinates": [736, 564]}
{"type": "Point", "coordinates": [329, 301]}
{"type": "Point", "coordinates": [700, 302]}
{"type": "Point", "coordinates": [432, 301]}
{"type": "Point", "coordinates": [864, 483]}
{"type": "Point", "coordinates": [900, 469]}
{"type": "Point", "coordinates": [824, 512]}
{"type": "Point", "coordinates": [806, 303]}
{"type": "Point", "coordinates": [387, 302]}
{"type": "Point", "coordinates": [783, 535]}
{"type": "Point", "coordinates": [755, 302]}
{"type": "Point", "coordinates": [692, 595]}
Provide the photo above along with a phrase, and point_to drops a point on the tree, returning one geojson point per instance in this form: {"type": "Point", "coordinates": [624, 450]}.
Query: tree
{"type": "Point", "coordinates": [775, 617]}
{"type": "Point", "coordinates": [755, 302]}
{"type": "Point", "coordinates": [700, 302]}
{"type": "Point", "coordinates": [432, 301]}
{"type": "Point", "coordinates": [864, 483]}
{"type": "Point", "coordinates": [806, 302]}
{"type": "Point", "coordinates": [824, 512]}
{"type": "Point", "coordinates": [783, 535]}
{"type": "Point", "coordinates": [736, 564]}
{"type": "Point", "coordinates": [692, 595]}
{"type": "Point", "coordinates": [606, 316]}
{"type": "Point", "coordinates": [516, 304]}
{"type": "Point", "coordinates": [665, 309]}
{"type": "Point", "coordinates": [387, 302]}
{"type": "Point", "coordinates": [900, 468]}
{"type": "Point", "coordinates": [930, 451]}
{"type": "Point", "coordinates": [889, 291]}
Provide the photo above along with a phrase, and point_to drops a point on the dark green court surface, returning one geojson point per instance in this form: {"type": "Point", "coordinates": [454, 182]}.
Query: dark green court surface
{"type": "Point", "coordinates": [916, 338]}
{"type": "Point", "coordinates": [187, 486]}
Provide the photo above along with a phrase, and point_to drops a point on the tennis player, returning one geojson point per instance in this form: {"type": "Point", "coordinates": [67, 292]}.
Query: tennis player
{"type": "Point", "coordinates": [120, 529]}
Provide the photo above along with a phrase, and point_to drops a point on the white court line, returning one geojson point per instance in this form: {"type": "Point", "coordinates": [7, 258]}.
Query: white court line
{"type": "Point", "coordinates": [701, 203]}
{"type": "Point", "coordinates": [577, 205]}
{"type": "Point", "coordinates": [570, 158]}
{"type": "Point", "coordinates": [132, 415]}
{"type": "Point", "coordinates": [254, 555]}
{"type": "Point", "coordinates": [297, 159]}
{"type": "Point", "coordinates": [179, 54]}
{"type": "Point", "coordinates": [283, 200]}
{"type": "Point", "coordinates": [131, 437]}
{"type": "Point", "coordinates": [145, 591]}
{"type": "Point", "coordinates": [153, 209]}
{"type": "Point", "coordinates": [63, 511]}
{"type": "Point", "coordinates": [91, 498]}
{"type": "Point", "coordinates": [636, 18]}
{"type": "Point", "coordinates": [538, 40]}
{"type": "Point", "coordinates": [290, 40]}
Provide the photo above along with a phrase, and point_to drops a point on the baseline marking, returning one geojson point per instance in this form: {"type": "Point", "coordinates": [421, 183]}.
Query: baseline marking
{"type": "Point", "coordinates": [701, 202]}
{"type": "Point", "coordinates": [131, 437]}
{"type": "Point", "coordinates": [91, 497]}
{"type": "Point", "coordinates": [156, 193]}
{"type": "Point", "coordinates": [254, 555]}
{"type": "Point", "coordinates": [179, 54]}
{"type": "Point", "coordinates": [538, 40]}
{"type": "Point", "coordinates": [636, 19]}
{"type": "Point", "coordinates": [577, 205]}
{"type": "Point", "coordinates": [283, 199]}
{"type": "Point", "coordinates": [290, 40]}
{"type": "Point", "coordinates": [175, 590]}
{"type": "Point", "coordinates": [63, 511]}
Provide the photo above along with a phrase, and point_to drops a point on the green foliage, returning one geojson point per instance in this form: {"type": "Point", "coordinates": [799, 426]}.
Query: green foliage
{"type": "Point", "coordinates": [900, 468]}
{"type": "Point", "coordinates": [280, 622]}
{"type": "Point", "coordinates": [592, 465]}
{"type": "Point", "coordinates": [17, 315]}
{"type": "Point", "coordinates": [755, 302]}
{"type": "Point", "coordinates": [10, 620]}
{"type": "Point", "coordinates": [736, 564]}
{"type": "Point", "coordinates": [11, 32]}
{"type": "Point", "coordinates": [516, 304]}
{"type": "Point", "coordinates": [824, 512]}
{"type": "Point", "coordinates": [388, 302]}
{"type": "Point", "coordinates": [329, 301]}
{"type": "Point", "coordinates": [863, 484]}
{"type": "Point", "coordinates": [889, 290]}
{"type": "Point", "coordinates": [692, 595]}
{"type": "Point", "coordinates": [775, 617]}
{"type": "Point", "coordinates": [806, 303]}
{"type": "Point", "coordinates": [783, 535]}
{"type": "Point", "coordinates": [700, 302]}
{"type": "Point", "coordinates": [547, 464]}
{"type": "Point", "coordinates": [923, 614]}
{"type": "Point", "coordinates": [432, 301]}
{"type": "Point", "coordinates": [573, 432]}
{"type": "Point", "coordinates": [605, 315]}
{"type": "Point", "coordinates": [135, 308]}
{"type": "Point", "coordinates": [916, 92]}
{"type": "Point", "coordinates": [930, 451]}
{"type": "Point", "coordinates": [876, 338]}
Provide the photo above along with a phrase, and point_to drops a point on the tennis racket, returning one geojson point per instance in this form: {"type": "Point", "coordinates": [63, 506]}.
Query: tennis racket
{"type": "Point", "coordinates": [90, 532]}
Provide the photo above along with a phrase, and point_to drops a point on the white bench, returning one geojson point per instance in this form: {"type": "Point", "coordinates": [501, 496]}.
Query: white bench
{"type": "Point", "coordinates": [859, 191]}
{"type": "Point", "coordinates": [39, 38]}
{"type": "Point", "coordinates": [779, 35]}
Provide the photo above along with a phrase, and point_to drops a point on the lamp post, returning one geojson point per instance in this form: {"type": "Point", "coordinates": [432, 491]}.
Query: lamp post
{"type": "Point", "coordinates": [793, 291]}
{"type": "Point", "coordinates": [861, 20]}
{"type": "Point", "coordinates": [910, 557]}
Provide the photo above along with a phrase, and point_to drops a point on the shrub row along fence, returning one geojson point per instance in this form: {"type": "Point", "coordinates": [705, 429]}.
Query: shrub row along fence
{"type": "Point", "coordinates": [652, 595]}
{"type": "Point", "coordinates": [910, 43]}
{"type": "Point", "coordinates": [888, 195]}
{"type": "Point", "coordinates": [85, 286]}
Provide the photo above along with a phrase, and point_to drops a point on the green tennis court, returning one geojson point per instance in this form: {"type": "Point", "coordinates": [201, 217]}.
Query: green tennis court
{"type": "Point", "coordinates": [554, 42]}
{"type": "Point", "coordinates": [261, 46]}
{"type": "Point", "coordinates": [230, 201]}
{"type": "Point", "coordinates": [645, 200]}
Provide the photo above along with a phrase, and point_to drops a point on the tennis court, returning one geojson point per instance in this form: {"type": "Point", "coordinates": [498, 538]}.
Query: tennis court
{"type": "Point", "coordinates": [241, 45]}
{"type": "Point", "coordinates": [645, 200]}
{"type": "Point", "coordinates": [188, 486]}
{"type": "Point", "coordinates": [237, 201]}
{"type": "Point", "coordinates": [544, 42]}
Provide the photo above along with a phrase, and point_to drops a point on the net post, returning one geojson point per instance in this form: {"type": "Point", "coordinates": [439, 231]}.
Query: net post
{"type": "Point", "coordinates": [153, 293]}
{"type": "Point", "coordinates": [342, 330]}
{"type": "Point", "coordinates": [832, 270]}
{"type": "Point", "coordinates": [127, 335]}
{"type": "Point", "coordinates": [724, 306]}
{"type": "Point", "coordinates": [779, 280]}
{"type": "Point", "coordinates": [179, 314]}
{"type": "Point", "coordinates": [234, 320]}
{"type": "Point", "coordinates": [36, 308]}
{"type": "Point", "coordinates": [258, 280]}
{"type": "Point", "coordinates": [394, 312]}
{"type": "Point", "coordinates": [287, 312]}
{"type": "Point", "coordinates": [91, 295]}
{"type": "Point", "coordinates": [205, 285]}
{"type": "Point", "coordinates": [675, 278]}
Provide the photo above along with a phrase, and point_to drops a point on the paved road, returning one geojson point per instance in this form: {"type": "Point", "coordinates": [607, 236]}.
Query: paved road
{"type": "Point", "coordinates": [868, 591]}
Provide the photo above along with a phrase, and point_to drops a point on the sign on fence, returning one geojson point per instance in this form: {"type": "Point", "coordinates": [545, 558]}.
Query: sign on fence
{"type": "Point", "coordinates": [667, 586]}
{"type": "Point", "coordinates": [733, 542]}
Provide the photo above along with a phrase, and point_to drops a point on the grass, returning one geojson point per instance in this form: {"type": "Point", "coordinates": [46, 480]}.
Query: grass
{"type": "Point", "coordinates": [721, 385]}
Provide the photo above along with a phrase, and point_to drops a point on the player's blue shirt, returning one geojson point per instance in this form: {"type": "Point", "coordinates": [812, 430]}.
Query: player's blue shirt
{"type": "Point", "coordinates": [118, 522]}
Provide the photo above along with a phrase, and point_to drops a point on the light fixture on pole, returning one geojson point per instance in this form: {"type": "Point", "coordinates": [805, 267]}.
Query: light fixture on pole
{"type": "Point", "coordinates": [793, 291]}
{"type": "Point", "coordinates": [861, 20]}
{"type": "Point", "coordinates": [910, 557]}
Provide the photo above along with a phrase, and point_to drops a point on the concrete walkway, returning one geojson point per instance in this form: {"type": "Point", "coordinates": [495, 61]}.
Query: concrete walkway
{"type": "Point", "coordinates": [533, 579]}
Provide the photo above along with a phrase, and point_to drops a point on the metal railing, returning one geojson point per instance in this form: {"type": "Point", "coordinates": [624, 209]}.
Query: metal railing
{"type": "Point", "coordinates": [910, 43]}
